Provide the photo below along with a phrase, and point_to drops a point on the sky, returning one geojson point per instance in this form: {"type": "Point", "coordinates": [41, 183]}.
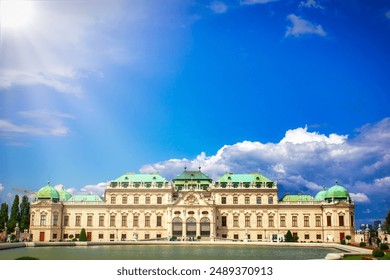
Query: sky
{"type": "Point", "coordinates": [297, 90]}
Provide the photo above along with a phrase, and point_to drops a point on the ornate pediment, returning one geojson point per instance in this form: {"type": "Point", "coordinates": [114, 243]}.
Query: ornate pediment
{"type": "Point", "coordinates": [190, 198]}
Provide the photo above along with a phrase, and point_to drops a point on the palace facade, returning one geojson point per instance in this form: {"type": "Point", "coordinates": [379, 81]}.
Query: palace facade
{"type": "Point", "coordinates": [243, 207]}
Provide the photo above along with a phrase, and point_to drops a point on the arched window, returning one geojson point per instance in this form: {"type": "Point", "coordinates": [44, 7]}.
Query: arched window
{"type": "Point", "coordinates": [191, 227]}
{"type": "Point", "coordinates": [205, 227]}
{"type": "Point", "coordinates": [177, 227]}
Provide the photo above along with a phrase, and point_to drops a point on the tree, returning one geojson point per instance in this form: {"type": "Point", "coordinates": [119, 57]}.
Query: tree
{"type": "Point", "coordinates": [24, 214]}
{"type": "Point", "coordinates": [387, 223]}
{"type": "Point", "coordinates": [3, 215]}
{"type": "Point", "coordinates": [83, 235]}
{"type": "Point", "coordinates": [289, 237]}
{"type": "Point", "coordinates": [15, 215]}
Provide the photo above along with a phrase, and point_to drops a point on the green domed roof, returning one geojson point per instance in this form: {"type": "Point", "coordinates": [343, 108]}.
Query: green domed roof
{"type": "Point", "coordinates": [320, 196]}
{"type": "Point", "coordinates": [48, 192]}
{"type": "Point", "coordinates": [64, 195]}
{"type": "Point", "coordinates": [337, 192]}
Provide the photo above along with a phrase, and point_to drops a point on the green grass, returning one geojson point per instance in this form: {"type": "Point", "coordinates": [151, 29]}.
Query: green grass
{"type": "Point", "coordinates": [360, 257]}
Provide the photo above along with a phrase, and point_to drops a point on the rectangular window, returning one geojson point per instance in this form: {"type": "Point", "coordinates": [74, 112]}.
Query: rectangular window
{"type": "Point", "coordinates": [318, 236]}
{"type": "Point", "coordinates": [135, 221]}
{"type": "Point", "coordinates": [147, 221]}
{"type": "Point", "coordinates": [306, 221]}
{"type": "Point", "coordinates": [235, 200]}
{"type": "Point", "coordinates": [259, 221]}
{"type": "Point", "coordinates": [113, 199]}
{"type": "Point", "coordinates": [259, 236]}
{"type": "Point", "coordinates": [271, 221]}
{"type": "Point", "coordinates": [307, 236]}
{"type": "Point", "coordinates": [318, 221]}
{"type": "Point", "coordinates": [78, 221]}
{"type": "Point", "coordinates": [223, 200]}
{"type": "Point", "coordinates": [66, 221]}
{"type": "Point", "coordinates": [235, 236]}
{"type": "Point", "coordinates": [352, 221]}
{"type": "Point", "coordinates": [159, 200]}
{"type": "Point", "coordinates": [89, 221]}
{"type": "Point", "coordinates": [147, 200]}
{"type": "Point", "coordinates": [65, 236]}
{"type": "Point", "coordinates": [224, 221]}
{"type": "Point", "coordinates": [283, 221]}
{"type": "Point", "coordinates": [123, 236]}
{"type": "Point", "coordinates": [329, 221]}
{"type": "Point", "coordinates": [112, 236]}
{"type": "Point", "coordinates": [159, 221]}
{"type": "Point", "coordinates": [247, 200]}
{"type": "Point", "coordinates": [341, 221]}
{"type": "Point", "coordinates": [43, 220]}
{"type": "Point", "coordinates": [247, 221]}
{"type": "Point", "coordinates": [101, 236]}
{"type": "Point", "coordinates": [101, 221]}
{"type": "Point", "coordinates": [124, 221]}
{"type": "Point", "coordinates": [294, 221]}
{"type": "Point", "coordinates": [136, 200]}
{"type": "Point", "coordinates": [258, 200]}
{"type": "Point", "coordinates": [124, 199]}
{"type": "Point", "coordinates": [77, 235]}
{"type": "Point", "coordinates": [158, 235]}
{"type": "Point", "coordinates": [55, 220]}
{"type": "Point", "coordinates": [112, 221]}
{"type": "Point", "coordinates": [54, 235]}
{"type": "Point", "coordinates": [147, 236]}
{"type": "Point", "coordinates": [235, 221]}
{"type": "Point", "coordinates": [270, 200]}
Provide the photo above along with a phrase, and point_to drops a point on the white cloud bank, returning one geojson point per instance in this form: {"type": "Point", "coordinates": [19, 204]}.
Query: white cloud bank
{"type": "Point", "coordinates": [304, 161]}
{"type": "Point", "coordinates": [310, 4]}
{"type": "Point", "coordinates": [301, 27]}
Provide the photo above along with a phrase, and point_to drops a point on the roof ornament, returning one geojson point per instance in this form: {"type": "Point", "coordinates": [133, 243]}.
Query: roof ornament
{"type": "Point", "coordinates": [200, 168]}
{"type": "Point", "coordinates": [185, 167]}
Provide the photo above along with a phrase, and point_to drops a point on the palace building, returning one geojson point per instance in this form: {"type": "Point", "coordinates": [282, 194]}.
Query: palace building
{"type": "Point", "coordinates": [242, 207]}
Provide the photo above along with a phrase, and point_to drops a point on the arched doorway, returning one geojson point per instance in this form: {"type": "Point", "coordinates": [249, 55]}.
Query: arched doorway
{"type": "Point", "coordinates": [205, 227]}
{"type": "Point", "coordinates": [191, 227]}
{"type": "Point", "coordinates": [177, 227]}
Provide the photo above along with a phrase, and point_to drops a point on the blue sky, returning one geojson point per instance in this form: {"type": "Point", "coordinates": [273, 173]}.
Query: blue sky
{"type": "Point", "coordinates": [298, 90]}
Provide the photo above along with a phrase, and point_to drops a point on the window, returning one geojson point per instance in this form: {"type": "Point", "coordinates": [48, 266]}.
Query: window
{"type": "Point", "coordinates": [32, 219]}
{"type": "Point", "coordinates": [66, 221]}
{"type": "Point", "coordinates": [112, 221]}
{"type": "Point", "coordinates": [89, 221]}
{"type": "Point", "coordinates": [341, 220]}
{"type": "Point", "coordinates": [223, 200]}
{"type": "Point", "coordinates": [271, 221]}
{"type": "Point", "coordinates": [259, 236]}
{"type": "Point", "coordinates": [124, 199]}
{"type": "Point", "coordinates": [136, 200]}
{"type": "Point", "coordinates": [124, 221]}
{"type": "Point", "coordinates": [147, 221]}
{"type": "Point", "coordinates": [306, 221]}
{"type": "Point", "coordinates": [235, 200]}
{"type": "Point", "coordinates": [329, 221]}
{"type": "Point", "coordinates": [352, 221]}
{"type": "Point", "coordinates": [65, 236]}
{"type": "Point", "coordinates": [259, 221]}
{"type": "Point", "coordinates": [135, 221]}
{"type": "Point", "coordinates": [247, 221]}
{"type": "Point", "coordinates": [283, 221]}
{"type": "Point", "coordinates": [147, 236]}
{"type": "Point", "coordinates": [247, 200]}
{"type": "Point", "coordinates": [159, 200]}
{"type": "Point", "coordinates": [294, 221]}
{"type": "Point", "coordinates": [258, 200]}
{"type": "Point", "coordinates": [270, 200]}
{"type": "Point", "coordinates": [54, 235]}
{"type": "Point", "coordinates": [77, 235]}
{"type": "Point", "coordinates": [147, 200]}
{"type": "Point", "coordinates": [158, 235]}
{"type": "Point", "coordinates": [78, 221]}
{"type": "Point", "coordinates": [159, 221]}
{"type": "Point", "coordinates": [113, 199]}
{"type": "Point", "coordinates": [307, 236]}
{"type": "Point", "coordinates": [112, 236]}
{"type": "Point", "coordinates": [235, 221]}
{"type": "Point", "coordinates": [55, 220]}
{"type": "Point", "coordinates": [43, 220]}
{"type": "Point", "coordinates": [123, 236]}
{"type": "Point", "coordinates": [224, 221]}
{"type": "Point", "coordinates": [235, 236]}
{"type": "Point", "coordinates": [318, 236]}
{"type": "Point", "coordinates": [101, 236]}
{"type": "Point", "coordinates": [318, 221]}
{"type": "Point", "coordinates": [101, 221]}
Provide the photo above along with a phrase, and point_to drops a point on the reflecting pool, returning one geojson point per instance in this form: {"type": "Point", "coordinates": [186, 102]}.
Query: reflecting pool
{"type": "Point", "coordinates": [169, 252]}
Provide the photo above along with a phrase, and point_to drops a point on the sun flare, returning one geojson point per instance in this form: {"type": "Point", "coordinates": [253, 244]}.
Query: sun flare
{"type": "Point", "coordinates": [15, 14]}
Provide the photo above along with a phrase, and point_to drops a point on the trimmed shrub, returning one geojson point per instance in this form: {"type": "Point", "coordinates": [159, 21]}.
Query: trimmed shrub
{"type": "Point", "coordinates": [378, 253]}
{"type": "Point", "coordinates": [362, 244]}
{"type": "Point", "coordinates": [342, 242]}
{"type": "Point", "coordinates": [384, 246]}
{"type": "Point", "coordinates": [83, 235]}
{"type": "Point", "coordinates": [27, 258]}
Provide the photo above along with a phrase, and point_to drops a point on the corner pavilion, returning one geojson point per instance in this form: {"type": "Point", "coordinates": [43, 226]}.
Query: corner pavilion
{"type": "Point", "coordinates": [242, 207]}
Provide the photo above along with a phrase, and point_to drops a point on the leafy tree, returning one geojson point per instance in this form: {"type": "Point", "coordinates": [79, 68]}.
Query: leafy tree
{"type": "Point", "coordinates": [24, 214]}
{"type": "Point", "coordinates": [3, 215]}
{"type": "Point", "coordinates": [289, 237]}
{"type": "Point", "coordinates": [387, 223]}
{"type": "Point", "coordinates": [83, 235]}
{"type": "Point", "coordinates": [15, 215]}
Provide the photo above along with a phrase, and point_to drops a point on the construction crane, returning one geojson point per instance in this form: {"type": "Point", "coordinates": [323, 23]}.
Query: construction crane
{"type": "Point", "coordinates": [24, 191]}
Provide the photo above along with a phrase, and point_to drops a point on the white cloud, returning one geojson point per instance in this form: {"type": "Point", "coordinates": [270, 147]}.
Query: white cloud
{"type": "Point", "coordinates": [95, 189]}
{"type": "Point", "coordinates": [310, 4]}
{"type": "Point", "coordinates": [218, 7]}
{"type": "Point", "coordinates": [359, 197]}
{"type": "Point", "coordinates": [1, 187]}
{"type": "Point", "coordinates": [36, 123]}
{"type": "Point", "coordinates": [253, 2]}
{"type": "Point", "coordinates": [303, 161]}
{"type": "Point", "coordinates": [302, 27]}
